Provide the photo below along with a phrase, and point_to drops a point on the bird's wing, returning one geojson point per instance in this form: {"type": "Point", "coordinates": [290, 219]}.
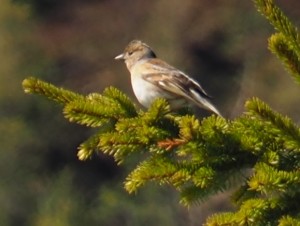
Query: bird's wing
{"type": "Point", "coordinates": [174, 82]}
{"type": "Point", "coordinates": [158, 71]}
{"type": "Point", "coordinates": [181, 85]}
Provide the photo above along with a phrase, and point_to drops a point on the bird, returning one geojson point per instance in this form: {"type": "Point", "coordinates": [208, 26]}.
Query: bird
{"type": "Point", "coordinates": [153, 78]}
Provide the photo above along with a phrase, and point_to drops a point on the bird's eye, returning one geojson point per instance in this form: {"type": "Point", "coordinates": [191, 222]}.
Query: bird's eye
{"type": "Point", "coordinates": [130, 53]}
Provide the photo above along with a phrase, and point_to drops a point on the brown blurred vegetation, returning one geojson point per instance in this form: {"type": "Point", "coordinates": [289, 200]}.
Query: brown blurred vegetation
{"type": "Point", "coordinates": [223, 44]}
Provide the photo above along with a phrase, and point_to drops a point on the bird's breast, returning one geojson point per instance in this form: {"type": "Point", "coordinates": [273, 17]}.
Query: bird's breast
{"type": "Point", "coordinates": [144, 91]}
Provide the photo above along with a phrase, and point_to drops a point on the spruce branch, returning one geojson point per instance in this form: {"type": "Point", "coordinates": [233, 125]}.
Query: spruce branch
{"type": "Point", "coordinates": [60, 95]}
{"type": "Point", "coordinates": [156, 168]}
{"type": "Point", "coordinates": [288, 220]}
{"type": "Point", "coordinates": [242, 194]}
{"type": "Point", "coordinates": [124, 102]}
{"type": "Point", "coordinates": [92, 144]}
{"type": "Point", "coordinates": [252, 212]}
{"type": "Point", "coordinates": [194, 181]}
{"type": "Point", "coordinates": [96, 110]}
{"type": "Point", "coordinates": [169, 144]}
{"type": "Point", "coordinates": [268, 180]}
{"type": "Point", "coordinates": [280, 22]}
{"type": "Point", "coordinates": [280, 47]}
{"type": "Point", "coordinates": [282, 124]}
{"type": "Point", "coordinates": [120, 145]}
{"type": "Point", "coordinates": [285, 44]}
{"type": "Point", "coordinates": [221, 219]}
{"type": "Point", "coordinates": [198, 158]}
{"type": "Point", "coordinates": [88, 113]}
{"type": "Point", "coordinates": [87, 148]}
{"type": "Point", "coordinates": [189, 128]}
{"type": "Point", "coordinates": [158, 109]}
{"type": "Point", "coordinates": [211, 184]}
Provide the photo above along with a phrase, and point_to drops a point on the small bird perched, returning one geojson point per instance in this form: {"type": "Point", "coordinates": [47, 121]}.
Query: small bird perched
{"type": "Point", "coordinates": [153, 78]}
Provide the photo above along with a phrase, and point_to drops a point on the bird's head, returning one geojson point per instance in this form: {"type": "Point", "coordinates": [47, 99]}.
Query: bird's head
{"type": "Point", "coordinates": [135, 51]}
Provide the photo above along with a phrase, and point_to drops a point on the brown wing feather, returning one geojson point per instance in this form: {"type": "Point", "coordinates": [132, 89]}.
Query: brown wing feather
{"type": "Point", "coordinates": [161, 73]}
{"type": "Point", "coordinates": [175, 83]}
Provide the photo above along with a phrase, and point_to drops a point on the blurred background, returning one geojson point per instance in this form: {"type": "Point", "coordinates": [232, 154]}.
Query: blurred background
{"type": "Point", "coordinates": [222, 44]}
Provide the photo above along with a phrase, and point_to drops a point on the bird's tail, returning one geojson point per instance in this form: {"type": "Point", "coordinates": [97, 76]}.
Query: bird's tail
{"type": "Point", "coordinates": [203, 102]}
{"type": "Point", "coordinates": [209, 106]}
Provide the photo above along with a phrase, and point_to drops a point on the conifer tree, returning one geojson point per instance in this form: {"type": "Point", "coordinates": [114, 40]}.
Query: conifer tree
{"type": "Point", "coordinates": [200, 158]}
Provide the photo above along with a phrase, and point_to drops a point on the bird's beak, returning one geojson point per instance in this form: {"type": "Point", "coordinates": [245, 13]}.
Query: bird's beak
{"type": "Point", "coordinates": [120, 57]}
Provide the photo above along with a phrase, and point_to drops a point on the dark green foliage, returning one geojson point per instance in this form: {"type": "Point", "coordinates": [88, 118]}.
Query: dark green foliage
{"type": "Point", "coordinates": [257, 154]}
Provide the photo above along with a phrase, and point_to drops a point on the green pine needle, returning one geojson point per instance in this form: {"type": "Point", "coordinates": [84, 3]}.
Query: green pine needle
{"type": "Point", "coordinates": [288, 220]}
{"type": "Point", "coordinates": [269, 180]}
{"type": "Point", "coordinates": [158, 109]}
{"type": "Point", "coordinates": [189, 128]}
{"type": "Point", "coordinates": [156, 168]}
{"type": "Point", "coordinates": [85, 113]}
{"type": "Point", "coordinates": [280, 22]}
{"type": "Point", "coordinates": [282, 124]}
{"type": "Point", "coordinates": [60, 95]}
{"type": "Point", "coordinates": [86, 149]}
{"type": "Point", "coordinates": [221, 219]}
{"type": "Point", "coordinates": [280, 47]}
{"type": "Point", "coordinates": [92, 144]}
{"type": "Point", "coordinates": [122, 99]}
